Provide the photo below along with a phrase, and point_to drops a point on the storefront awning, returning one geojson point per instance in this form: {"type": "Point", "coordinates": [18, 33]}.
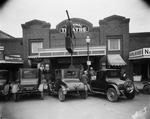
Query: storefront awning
{"type": "Point", "coordinates": [10, 62]}
{"type": "Point", "coordinates": [62, 52]}
{"type": "Point", "coordinates": [115, 60]}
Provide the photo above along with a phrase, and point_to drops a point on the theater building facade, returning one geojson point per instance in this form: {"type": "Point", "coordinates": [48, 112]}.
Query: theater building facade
{"type": "Point", "coordinates": [111, 45]}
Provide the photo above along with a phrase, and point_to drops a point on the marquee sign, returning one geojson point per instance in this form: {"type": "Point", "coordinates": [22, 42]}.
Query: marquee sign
{"type": "Point", "coordinates": [140, 53]}
{"type": "Point", "coordinates": [146, 51]}
{"type": "Point", "coordinates": [77, 28]}
{"type": "Point", "coordinates": [136, 53]}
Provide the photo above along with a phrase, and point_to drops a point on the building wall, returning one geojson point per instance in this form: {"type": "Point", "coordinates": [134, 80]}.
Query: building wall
{"type": "Point", "coordinates": [141, 66]}
{"type": "Point", "coordinates": [116, 27]}
{"type": "Point", "coordinates": [57, 39]}
{"type": "Point", "coordinates": [12, 46]}
{"type": "Point", "coordinates": [139, 40]}
{"type": "Point", "coordinates": [110, 27]}
{"type": "Point", "coordinates": [34, 30]}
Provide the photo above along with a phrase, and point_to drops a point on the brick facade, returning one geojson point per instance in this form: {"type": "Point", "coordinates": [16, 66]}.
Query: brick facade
{"type": "Point", "coordinates": [110, 27]}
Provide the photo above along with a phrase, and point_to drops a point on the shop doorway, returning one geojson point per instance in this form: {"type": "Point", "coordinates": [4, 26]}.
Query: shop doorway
{"type": "Point", "coordinates": [144, 71]}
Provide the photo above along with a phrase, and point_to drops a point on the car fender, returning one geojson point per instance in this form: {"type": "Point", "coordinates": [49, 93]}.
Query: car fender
{"type": "Point", "coordinates": [6, 89]}
{"type": "Point", "coordinates": [64, 89]}
{"type": "Point", "coordinates": [116, 88]}
{"type": "Point", "coordinates": [15, 88]}
{"type": "Point", "coordinates": [146, 83]}
{"type": "Point", "coordinates": [41, 87]}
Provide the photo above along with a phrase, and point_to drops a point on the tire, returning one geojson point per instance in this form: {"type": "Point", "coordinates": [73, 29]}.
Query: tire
{"type": "Point", "coordinates": [112, 95]}
{"type": "Point", "coordinates": [146, 89]}
{"type": "Point", "coordinates": [83, 94]}
{"type": "Point", "coordinates": [130, 95]}
{"type": "Point", "coordinates": [61, 96]}
{"type": "Point", "coordinates": [15, 97]}
{"type": "Point", "coordinates": [42, 95]}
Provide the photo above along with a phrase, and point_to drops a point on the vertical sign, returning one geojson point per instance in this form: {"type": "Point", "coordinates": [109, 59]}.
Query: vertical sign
{"type": "Point", "coordinates": [1, 52]}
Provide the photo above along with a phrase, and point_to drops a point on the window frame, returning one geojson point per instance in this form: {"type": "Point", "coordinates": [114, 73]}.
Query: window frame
{"type": "Point", "coordinates": [118, 41]}
{"type": "Point", "coordinates": [31, 45]}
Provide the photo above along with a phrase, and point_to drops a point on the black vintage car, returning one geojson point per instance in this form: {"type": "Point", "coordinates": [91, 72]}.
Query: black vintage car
{"type": "Point", "coordinates": [28, 83]}
{"type": "Point", "coordinates": [5, 83]}
{"type": "Point", "coordinates": [67, 81]}
{"type": "Point", "coordinates": [109, 82]}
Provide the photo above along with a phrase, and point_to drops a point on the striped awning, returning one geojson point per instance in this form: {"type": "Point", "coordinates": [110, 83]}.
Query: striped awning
{"type": "Point", "coordinates": [115, 60]}
{"type": "Point", "coordinates": [11, 62]}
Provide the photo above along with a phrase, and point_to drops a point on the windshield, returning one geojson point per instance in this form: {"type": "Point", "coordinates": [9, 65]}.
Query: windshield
{"type": "Point", "coordinates": [3, 75]}
{"type": "Point", "coordinates": [71, 74]}
{"type": "Point", "coordinates": [113, 74]}
{"type": "Point", "coordinates": [29, 74]}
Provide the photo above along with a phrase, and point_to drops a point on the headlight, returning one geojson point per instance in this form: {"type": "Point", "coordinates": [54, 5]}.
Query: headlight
{"type": "Point", "coordinates": [129, 86]}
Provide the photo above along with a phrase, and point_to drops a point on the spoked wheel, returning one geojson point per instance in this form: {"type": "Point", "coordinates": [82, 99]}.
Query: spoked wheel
{"type": "Point", "coordinates": [61, 96]}
{"type": "Point", "coordinates": [112, 95]}
{"type": "Point", "coordinates": [146, 89]}
{"type": "Point", "coordinates": [42, 95]}
{"type": "Point", "coordinates": [83, 94]}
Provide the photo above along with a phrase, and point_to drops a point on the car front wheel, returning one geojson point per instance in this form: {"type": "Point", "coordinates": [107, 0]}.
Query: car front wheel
{"type": "Point", "coordinates": [61, 96]}
{"type": "Point", "coordinates": [83, 94]}
{"type": "Point", "coordinates": [112, 95]}
{"type": "Point", "coordinates": [146, 89]}
{"type": "Point", "coordinates": [130, 95]}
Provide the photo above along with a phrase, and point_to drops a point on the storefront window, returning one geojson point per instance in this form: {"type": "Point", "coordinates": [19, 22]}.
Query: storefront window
{"type": "Point", "coordinates": [113, 44]}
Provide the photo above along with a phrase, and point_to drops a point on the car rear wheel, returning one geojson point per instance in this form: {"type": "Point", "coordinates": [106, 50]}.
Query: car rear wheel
{"type": "Point", "coordinates": [61, 96]}
{"type": "Point", "coordinates": [146, 89]}
{"type": "Point", "coordinates": [112, 95]}
{"type": "Point", "coordinates": [83, 94]}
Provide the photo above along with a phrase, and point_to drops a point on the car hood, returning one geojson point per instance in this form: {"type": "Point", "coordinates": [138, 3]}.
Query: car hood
{"type": "Point", "coordinates": [74, 84]}
{"type": "Point", "coordinates": [117, 81]}
{"type": "Point", "coordinates": [29, 82]}
{"type": "Point", "coordinates": [2, 81]}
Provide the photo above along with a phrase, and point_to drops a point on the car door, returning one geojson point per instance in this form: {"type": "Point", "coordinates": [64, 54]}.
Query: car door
{"type": "Point", "coordinates": [97, 84]}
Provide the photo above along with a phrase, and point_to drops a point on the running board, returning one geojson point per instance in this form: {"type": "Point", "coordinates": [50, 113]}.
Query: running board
{"type": "Point", "coordinates": [97, 92]}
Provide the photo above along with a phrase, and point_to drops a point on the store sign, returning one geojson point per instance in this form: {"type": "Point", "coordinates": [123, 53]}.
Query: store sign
{"type": "Point", "coordinates": [146, 51]}
{"type": "Point", "coordinates": [1, 52]}
{"type": "Point", "coordinates": [77, 27]}
{"type": "Point", "coordinates": [136, 53]}
{"type": "Point", "coordinates": [13, 57]}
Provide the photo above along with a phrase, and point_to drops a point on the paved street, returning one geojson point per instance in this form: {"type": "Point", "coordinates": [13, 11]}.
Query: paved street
{"type": "Point", "coordinates": [94, 107]}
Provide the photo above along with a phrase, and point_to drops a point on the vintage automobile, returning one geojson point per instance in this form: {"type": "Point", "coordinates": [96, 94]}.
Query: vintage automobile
{"type": "Point", "coordinates": [5, 84]}
{"type": "Point", "coordinates": [67, 81]}
{"type": "Point", "coordinates": [28, 83]}
{"type": "Point", "coordinates": [146, 87]}
{"type": "Point", "coordinates": [108, 82]}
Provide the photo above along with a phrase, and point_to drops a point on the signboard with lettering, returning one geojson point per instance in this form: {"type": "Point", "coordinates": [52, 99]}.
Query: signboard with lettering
{"type": "Point", "coordinates": [136, 53]}
{"type": "Point", "coordinates": [77, 28]}
{"type": "Point", "coordinates": [140, 53]}
{"type": "Point", "coordinates": [146, 51]}
{"type": "Point", "coordinates": [1, 55]}
{"type": "Point", "coordinates": [1, 52]}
